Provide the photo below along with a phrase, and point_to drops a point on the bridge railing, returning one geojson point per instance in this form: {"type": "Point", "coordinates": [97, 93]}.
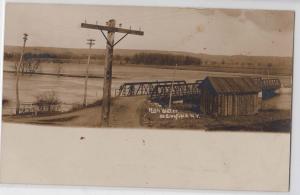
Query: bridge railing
{"type": "Point", "coordinates": [34, 109]}
{"type": "Point", "coordinates": [142, 88]}
{"type": "Point", "coordinates": [270, 84]}
{"type": "Point", "coordinates": [31, 108]}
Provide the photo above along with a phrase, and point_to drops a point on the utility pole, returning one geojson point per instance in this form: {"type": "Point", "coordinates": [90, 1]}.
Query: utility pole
{"type": "Point", "coordinates": [172, 85]}
{"type": "Point", "coordinates": [269, 67]}
{"type": "Point", "coordinates": [111, 30]}
{"type": "Point", "coordinates": [90, 42]}
{"type": "Point", "coordinates": [25, 37]}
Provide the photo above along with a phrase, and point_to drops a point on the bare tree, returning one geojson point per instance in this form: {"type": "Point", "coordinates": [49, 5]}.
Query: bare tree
{"type": "Point", "coordinates": [30, 66]}
{"type": "Point", "coordinates": [27, 66]}
{"type": "Point", "coordinates": [48, 102]}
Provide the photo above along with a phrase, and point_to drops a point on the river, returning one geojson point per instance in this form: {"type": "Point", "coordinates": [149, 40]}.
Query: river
{"type": "Point", "coordinates": [70, 89]}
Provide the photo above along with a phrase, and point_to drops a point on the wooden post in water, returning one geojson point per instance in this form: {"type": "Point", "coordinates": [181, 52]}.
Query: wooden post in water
{"type": "Point", "coordinates": [172, 85]}
{"type": "Point", "coordinates": [18, 74]}
{"type": "Point", "coordinates": [111, 30]}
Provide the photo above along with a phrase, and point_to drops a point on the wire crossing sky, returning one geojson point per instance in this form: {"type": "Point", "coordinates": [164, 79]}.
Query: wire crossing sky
{"type": "Point", "coordinates": [210, 31]}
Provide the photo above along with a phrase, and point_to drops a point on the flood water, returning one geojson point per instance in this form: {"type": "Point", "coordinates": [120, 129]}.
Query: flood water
{"type": "Point", "coordinates": [70, 89]}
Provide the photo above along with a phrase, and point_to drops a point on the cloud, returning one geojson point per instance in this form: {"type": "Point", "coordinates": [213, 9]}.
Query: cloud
{"type": "Point", "coordinates": [268, 20]}
{"type": "Point", "coordinates": [280, 21]}
{"type": "Point", "coordinates": [199, 28]}
{"type": "Point", "coordinates": [231, 12]}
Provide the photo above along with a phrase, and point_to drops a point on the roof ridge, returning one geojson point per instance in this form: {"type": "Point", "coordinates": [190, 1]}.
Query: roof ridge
{"type": "Point", "coordinates": [233, 84]}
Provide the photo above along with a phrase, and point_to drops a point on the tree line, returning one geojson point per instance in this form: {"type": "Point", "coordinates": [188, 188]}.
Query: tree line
{"type": "Point", "coordinates": [46, 55]}
{"type": "Point", "coordinates": [28, 56]}
{"type": "Point", "coordinates": [163, 59]}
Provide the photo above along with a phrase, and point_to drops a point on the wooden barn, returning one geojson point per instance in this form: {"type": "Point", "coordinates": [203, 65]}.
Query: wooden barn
{"type": "Point", "coordinates": [229, 96]}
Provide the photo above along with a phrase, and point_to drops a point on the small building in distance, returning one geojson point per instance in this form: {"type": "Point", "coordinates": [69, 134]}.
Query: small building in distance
{"type": "Point", "coordinates": [229, 96]}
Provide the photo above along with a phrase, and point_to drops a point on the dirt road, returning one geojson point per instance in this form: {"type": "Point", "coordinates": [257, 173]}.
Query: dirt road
{"type": "Point", "coordinates": [125, 112]}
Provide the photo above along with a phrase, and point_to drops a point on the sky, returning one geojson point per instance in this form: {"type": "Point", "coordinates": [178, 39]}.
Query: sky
{"type": "Point", "coordinates": [210, 31]}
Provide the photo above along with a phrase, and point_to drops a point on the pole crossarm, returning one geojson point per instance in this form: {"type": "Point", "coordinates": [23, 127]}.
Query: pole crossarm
{"type": "Point", "coordinates": [112, 29]}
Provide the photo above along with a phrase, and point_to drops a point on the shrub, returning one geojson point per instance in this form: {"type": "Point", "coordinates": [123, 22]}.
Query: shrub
{"type": "Point", "coordinates": [76, 106]}
{"type": "Point", "coordinates": [48, 102]}
{"type": "Point", "coordinates": [5, 101]}
{"type": "Point", "coordinates": [95, 103]}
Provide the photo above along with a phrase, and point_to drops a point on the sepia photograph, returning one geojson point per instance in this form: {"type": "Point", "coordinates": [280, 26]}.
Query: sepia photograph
{"type": "Point", "coordinates": [222, 73]}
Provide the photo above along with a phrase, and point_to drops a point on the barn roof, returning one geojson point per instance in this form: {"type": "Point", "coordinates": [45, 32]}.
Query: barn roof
{"type": "Point", "coordinates": [234, 85]}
